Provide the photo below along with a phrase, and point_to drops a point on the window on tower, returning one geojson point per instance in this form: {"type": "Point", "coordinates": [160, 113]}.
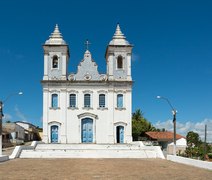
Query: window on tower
{"type": "Point", "coordinates": [120, 62]}
{"type": "Point", "coordinates": [55, 62]}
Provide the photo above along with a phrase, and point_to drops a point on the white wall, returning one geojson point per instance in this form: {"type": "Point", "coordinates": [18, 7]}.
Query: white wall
{"type": "Point", "coordinates": [69, 121]}
{"type": "Point", "coordinates": [192, 162]}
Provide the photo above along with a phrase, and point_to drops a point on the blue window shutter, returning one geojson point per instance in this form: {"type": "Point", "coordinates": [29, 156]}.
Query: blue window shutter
{"type": "Point", "coordinates": [101, 100]}
{"type": "Point", "coordinates": [87, 101]}
{"type": "Point", "coordinates": [72, 100]}
{"type": "Point", "coordinates": [120, 101]}
{"type": "Point", "coordinates": [54, 100]}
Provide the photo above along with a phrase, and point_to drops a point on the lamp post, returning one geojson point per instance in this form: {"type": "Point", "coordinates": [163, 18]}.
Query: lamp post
{"type": "Point", "coordinates": [2, 115]}
{"type": "Point", "coordinates": [174, 112]}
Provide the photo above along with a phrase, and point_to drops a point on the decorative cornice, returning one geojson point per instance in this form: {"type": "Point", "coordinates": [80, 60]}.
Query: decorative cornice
{"type": "Point", "coordinates": [54, 91]}
{"type": "Point", "coordinates": [73, 108]}
{"type": "Point", "coordinates": [54, 122]}
{"type": "Point", "coordinates": [120, 123]}
{"type": "Point", "coordinates": [73, 91]}
{"type": "Point", "coordinates": [63, 89]}
{"type": "Point", "coordinates": [87, 114]}
{"type": "Point", "coordinates": [120, 91]}
{"type": "Point", "coordinates": [120, 109]}
{"type": "Point", "coordinates": [102, 108]}
{"type": "Point", "coordinates": [102, 91]}
{"type": "Point", "coordinates": [87, 91]}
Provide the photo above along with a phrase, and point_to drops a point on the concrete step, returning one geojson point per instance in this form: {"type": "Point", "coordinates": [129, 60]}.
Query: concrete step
{"type": "Point", "coordinates": [133, 150]}
{"type": "Point", "coordinates": [86, 146]}
{"type": "Point", "coordinates": [80, 153]}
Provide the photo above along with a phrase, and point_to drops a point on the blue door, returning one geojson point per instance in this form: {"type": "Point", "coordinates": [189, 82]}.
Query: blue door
{"type": "Point", "coordinates": [54, 134]}
{"type": "Point", "coordinates": [121, 131]}
{"type": "Point", "coordinates": [87, 130]}
{"type": "Point", "coordinates": [120, 134]}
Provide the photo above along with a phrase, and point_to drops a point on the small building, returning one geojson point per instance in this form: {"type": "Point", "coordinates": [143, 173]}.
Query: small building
{"type": "Point", "coordinates": [165, 140]}
{"type": "Point", "coordinates": [30, 130]}
{"type": "Point", "coordinates": [181, 145]}
{"type": "Point", "coordinates": [12, 134]}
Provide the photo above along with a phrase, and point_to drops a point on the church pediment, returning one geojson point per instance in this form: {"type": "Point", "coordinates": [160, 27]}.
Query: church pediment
{"type": "Point", "coordinates": [87, 69]}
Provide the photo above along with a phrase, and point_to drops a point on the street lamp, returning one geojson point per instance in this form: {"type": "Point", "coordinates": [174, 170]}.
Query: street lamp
{"type": "Point", "coordinates": [174, 112]}
{"type": "Point", "coordinates": [1, 116]}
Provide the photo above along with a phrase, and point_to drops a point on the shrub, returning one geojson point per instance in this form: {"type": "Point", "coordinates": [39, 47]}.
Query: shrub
{"type": "Point", "coordinates": [210, 155]}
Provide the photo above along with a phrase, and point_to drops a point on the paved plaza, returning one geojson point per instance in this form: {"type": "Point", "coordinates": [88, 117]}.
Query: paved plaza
{"type": "Point", "coordinates": [99, 169]}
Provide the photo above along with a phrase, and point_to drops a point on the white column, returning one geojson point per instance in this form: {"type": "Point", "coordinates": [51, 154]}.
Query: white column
{"type": "Point", "coordinates": [63, 115]}
{"type": "Point", "coordinates": [110, 68]}
{"type": "Point", "coordinates": [129, 116]}
{"type": "Point", "coordinates": [129, 67]}
{"type": "Point", "coordinates": [45, 76]}
{"type": "Point", "coordinates": [64, 67]}
{"type": "Point", "coordinates": [45, 116]}
{"type": "Point", "coordinates": [111, 106]}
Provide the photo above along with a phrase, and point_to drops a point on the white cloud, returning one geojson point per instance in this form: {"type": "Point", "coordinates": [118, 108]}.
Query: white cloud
{"type": "Point", "coordinates": [20, 115]}
{"type": "Point", "coordinates": [184, 128]}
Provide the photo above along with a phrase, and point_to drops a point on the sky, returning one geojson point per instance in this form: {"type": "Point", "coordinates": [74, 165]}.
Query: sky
{"type": "Point", "coordinates": [172, 54]}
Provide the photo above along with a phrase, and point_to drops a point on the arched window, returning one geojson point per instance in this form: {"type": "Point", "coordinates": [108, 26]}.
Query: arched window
{"type": "Point", "coordinates": [120, 101]}
{"type": "Point", "coordinates": [102, 100]}
{"type": "Point", "coordinates": [55, 62]}
{"type": "Point", "coordinates": [120, 62]}
{"type": "Point", "coordinates": [87, 100]}
{"type": "Point", "coordinates": [72, 100]}
{"type": "Point", "coordinates": [54, 100]}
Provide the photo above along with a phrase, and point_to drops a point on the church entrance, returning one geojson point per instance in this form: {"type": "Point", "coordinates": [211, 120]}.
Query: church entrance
{"type": "Point", "coordinates": [87, 130]}
{"type": "Point", "coordinates": [120, 134]}
{"type": "Point", "coordinates": [54, 134]}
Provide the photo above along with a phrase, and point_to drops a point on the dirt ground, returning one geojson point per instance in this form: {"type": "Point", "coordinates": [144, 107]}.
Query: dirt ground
{"type": "Point", "coordinates": [99, 169]}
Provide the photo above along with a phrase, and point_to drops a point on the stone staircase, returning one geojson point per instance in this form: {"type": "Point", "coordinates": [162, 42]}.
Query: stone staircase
{"type": "Point", "coordinates": [134, 150]}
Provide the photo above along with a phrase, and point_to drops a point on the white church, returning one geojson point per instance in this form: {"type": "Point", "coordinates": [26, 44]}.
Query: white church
{"type": "Point", "coordinates": [87, 114]}
{"type": "Point", "coordinates": [87, 107]}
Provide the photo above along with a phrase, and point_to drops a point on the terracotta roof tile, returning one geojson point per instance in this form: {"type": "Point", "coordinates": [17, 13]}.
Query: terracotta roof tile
{"type": "Point", "coordinates": [163, 135]}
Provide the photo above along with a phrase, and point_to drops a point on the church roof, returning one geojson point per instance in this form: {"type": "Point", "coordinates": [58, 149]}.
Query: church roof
{"type": "Point", "coordinates": [56, 38]}
{"type": "Point", "coordinates": [118, 37]}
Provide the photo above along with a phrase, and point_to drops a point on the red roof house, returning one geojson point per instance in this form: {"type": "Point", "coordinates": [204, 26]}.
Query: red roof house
{"type": "Point", "coordinates": [162, 136]}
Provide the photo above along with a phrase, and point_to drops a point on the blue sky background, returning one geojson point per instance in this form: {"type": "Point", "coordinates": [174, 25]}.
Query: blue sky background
{"type": "Point", "coordinates": [172, 54]}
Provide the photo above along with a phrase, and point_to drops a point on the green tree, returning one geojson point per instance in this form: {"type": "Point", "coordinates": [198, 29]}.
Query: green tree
{"type": "Point", "coordinates": [193, 139]}
{"type": "Point", "coordinates": [195, 147]}
{"type": "Point", "coordinates": [140, 125]}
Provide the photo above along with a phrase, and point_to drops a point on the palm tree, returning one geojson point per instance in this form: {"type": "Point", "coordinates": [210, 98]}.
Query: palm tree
{"type": "Point", "coordinates": [140, 125]}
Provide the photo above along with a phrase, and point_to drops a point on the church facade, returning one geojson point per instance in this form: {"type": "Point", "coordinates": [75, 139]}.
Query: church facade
{"type": "Point", "coordinates": [86, 106]}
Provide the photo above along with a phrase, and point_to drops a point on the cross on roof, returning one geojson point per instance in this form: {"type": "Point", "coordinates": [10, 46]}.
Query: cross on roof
{"type": "Point", "coordinates": [87, 43]}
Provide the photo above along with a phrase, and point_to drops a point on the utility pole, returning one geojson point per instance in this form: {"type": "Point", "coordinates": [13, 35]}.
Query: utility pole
{"type": "Point", "coordinates": [1, 116]}
{"type": "Point", "coordinates": [174, 112]}
{"type": "Point", "coordinates": [205, 147]}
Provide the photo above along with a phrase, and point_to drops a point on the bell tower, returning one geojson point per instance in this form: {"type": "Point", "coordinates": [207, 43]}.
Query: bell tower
{"type": "Point", "coordinates": [118, 56]}
{"type": "Point", "coordinates": [56, 56]}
